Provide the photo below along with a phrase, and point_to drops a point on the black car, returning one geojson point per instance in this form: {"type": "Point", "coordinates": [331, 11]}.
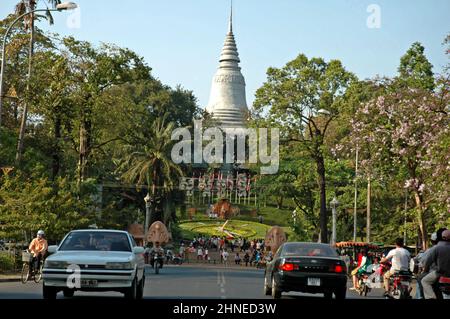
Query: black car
{"type": "Point", "coordinates": [306, 267]}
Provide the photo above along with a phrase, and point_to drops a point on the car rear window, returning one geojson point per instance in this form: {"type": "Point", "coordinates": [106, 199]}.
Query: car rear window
{"type": "Point", "coordinates": [310, 250]}
{"type": "Point", "coordinates": [96, 241]}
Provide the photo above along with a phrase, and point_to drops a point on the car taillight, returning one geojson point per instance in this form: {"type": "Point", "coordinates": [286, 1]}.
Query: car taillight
{"type": "Point", "coordinates": [287, 267]}
{"type": "Point", "coordinates": [338, 268]}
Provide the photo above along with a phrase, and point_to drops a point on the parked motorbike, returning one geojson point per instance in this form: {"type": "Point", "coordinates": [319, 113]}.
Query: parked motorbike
{"type": "Point", "coordinates": [444, 287]}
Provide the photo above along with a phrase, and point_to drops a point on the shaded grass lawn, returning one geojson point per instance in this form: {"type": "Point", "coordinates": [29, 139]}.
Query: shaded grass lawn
{"type": "Point", "coordinates": [239, 228]}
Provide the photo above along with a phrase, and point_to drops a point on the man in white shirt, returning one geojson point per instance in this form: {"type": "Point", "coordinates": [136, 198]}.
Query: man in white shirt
{"type": "Point", "coordinates": [400, 259]}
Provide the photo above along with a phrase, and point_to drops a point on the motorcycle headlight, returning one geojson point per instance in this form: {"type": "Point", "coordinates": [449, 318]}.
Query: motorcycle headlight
{"type": "Point", "coordinates": [118, 265]}
{"type": "Point", "coordinates": [53, 264]}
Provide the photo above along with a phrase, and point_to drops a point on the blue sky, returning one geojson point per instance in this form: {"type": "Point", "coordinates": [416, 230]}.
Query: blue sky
{"type": "Point", "coordinates": [182, 39]}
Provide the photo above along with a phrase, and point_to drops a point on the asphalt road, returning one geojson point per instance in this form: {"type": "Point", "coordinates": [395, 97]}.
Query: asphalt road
{"type": "Point", "coordinates": [174, 282]}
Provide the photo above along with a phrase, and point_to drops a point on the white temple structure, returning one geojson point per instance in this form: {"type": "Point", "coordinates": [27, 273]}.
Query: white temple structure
{"type": "Point", "coordinates": [227, 103]}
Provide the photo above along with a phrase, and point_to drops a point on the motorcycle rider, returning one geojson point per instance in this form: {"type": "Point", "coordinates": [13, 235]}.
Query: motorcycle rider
{"type": "Point", "coordinates": [38, 247]}
{"type": "Point", "coordinates": [400, 262]}
{"type": "Point", "coordinates": [440, 255]}
{"type": "Point", "coordinates": [435, 239]}
{"type": "Point", "coordinates": [156, 251]}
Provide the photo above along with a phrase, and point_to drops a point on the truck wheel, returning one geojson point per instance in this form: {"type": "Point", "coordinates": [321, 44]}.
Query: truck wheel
{"type": "Point", "coordinates": [140, 289]}
{"type": "Point", "coordinates": [131, 292]}
{"type": "Point", "coordinates": [68, 293]}
{"type": "Point", "coordinates": [48, 292]}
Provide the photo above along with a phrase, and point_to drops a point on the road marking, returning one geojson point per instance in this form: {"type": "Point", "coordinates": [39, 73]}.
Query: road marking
{"type": "Point", "coordinates": [221, 283]}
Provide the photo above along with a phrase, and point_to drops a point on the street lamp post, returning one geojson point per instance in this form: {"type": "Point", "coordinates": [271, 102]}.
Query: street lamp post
{"type": "Point", "coordinates": [334, 203]}
{"type": "Point", "coordinates": [60, 7]}
{"type": "Point", "coordinates": [148, 205]}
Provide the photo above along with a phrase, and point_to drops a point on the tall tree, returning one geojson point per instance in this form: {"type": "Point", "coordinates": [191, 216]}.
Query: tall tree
{"type": "Point", "coordinates": [148, 161]}
{"type": "Point", "coordinates": [305, 96]}
{"type": "Point", "coordinates": [406, 130]}
{"type": "Point", "coordinates": [29, 22]}
{"type": "Point", "coordinates": [415, 71]}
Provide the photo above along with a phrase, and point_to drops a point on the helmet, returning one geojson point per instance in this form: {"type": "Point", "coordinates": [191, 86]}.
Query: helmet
{"type": "Point", "coordinates": [446, 235]}
{"type": "Point", "coordinates": [434, 236]}
{"type": "Point", "coordinates": [40, 233]}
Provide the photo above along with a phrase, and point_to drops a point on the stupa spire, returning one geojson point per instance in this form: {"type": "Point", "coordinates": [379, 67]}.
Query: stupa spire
{"type": "Point", "coordinates": [230, 26]}
{"type": "Point", "coordinates": [227, 101]}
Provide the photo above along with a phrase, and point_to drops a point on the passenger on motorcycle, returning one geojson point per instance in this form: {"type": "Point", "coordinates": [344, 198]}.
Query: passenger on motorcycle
{"type": "Point", "coordinates": [440, 255]}
{"type": "Point", "coordinates": [400, 259]}
{"type": "Point", "coordinates": [38, 247]}
{"type": "Point", "coordinates": [360, 269]}
{"type": "Point", "coordinates": [435, 239]}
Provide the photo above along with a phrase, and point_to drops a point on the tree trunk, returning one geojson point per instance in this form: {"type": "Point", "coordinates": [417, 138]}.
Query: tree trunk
{"type": "Point", "coordinates": [323, 200]}
{"type": "Point", "coordinates": [369, 191]}
{"type": "Point", "coordinates": [280, 202]}
{"type": "Point", "coordinates": [421, 220]}
{"type": "Point", "coordinates": [23, 123]}
{"type": "Point", "coordinates": [153, 217]}
{"type": "Point", "coordinates": [56, 160]}
{"type": "Point", "coordinates": [85, 148]}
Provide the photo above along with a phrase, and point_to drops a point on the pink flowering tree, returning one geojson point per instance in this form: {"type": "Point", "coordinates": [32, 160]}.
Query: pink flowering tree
{"type": "Point", "coordinates": [409, 130]}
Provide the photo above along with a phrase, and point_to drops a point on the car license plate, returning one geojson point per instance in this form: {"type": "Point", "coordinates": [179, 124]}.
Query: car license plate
{"type": "Point", "coordinates": [89, 283]}
{"type": "Point", "coordinates": [405, 283]}
{"type": "Point", "coordinates": [314, 282]}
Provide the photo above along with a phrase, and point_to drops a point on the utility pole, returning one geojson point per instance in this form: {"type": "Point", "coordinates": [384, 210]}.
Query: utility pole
{"type": "Point", "coordinates": [369, 190]}
{"type": "Point", "coordinates": [356, 195]}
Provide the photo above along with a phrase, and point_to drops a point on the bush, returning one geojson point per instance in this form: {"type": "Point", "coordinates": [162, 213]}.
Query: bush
{"type": "Point", "coordinates": [7, 262]}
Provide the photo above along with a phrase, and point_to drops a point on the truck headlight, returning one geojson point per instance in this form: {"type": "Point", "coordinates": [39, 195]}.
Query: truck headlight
{"type": "Point", "coordinates": [53, 264]}
{"type": "Point", "coordinates": [119, 265]}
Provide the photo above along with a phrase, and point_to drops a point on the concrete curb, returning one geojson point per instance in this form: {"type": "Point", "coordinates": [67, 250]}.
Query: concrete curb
{"type": "Point", "coordinates": [10, 279]}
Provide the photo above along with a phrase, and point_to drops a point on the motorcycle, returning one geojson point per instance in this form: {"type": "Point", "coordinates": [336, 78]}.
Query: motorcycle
{"type": "Point", "coordinates": [444, 287]}
{"type": "Point", "coordinates": [401, 285]}
{"type": "Point", "coordinates": [157, 261]}
{"type": "Point", "coordinates": [363, 284]}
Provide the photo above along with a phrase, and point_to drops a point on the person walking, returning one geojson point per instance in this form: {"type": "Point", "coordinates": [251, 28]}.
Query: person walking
{"type": "Point", "coordinates": [225, 257]}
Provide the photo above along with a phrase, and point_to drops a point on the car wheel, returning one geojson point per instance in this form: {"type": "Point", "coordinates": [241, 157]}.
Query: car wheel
{"type": "Point", "coordinates": [340, 293]}
{"type": "Point", "coordinates": [140, 290]}
{"type": "Point", "coordinates": [267, 289]}
{"type": "Point", "coordinates": [328, 295]}
{"type": "Point", "coordinates": [131, 292]}
{"type": "Point", "coordinates": [68, 293]}
{"type": "Point", "coordinates": [49, 292]}
{"type": "Point", "coordinates": [276, 292]}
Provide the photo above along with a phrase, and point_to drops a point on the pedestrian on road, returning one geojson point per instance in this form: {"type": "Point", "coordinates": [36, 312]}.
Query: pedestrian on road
{"type": "Point", "coordinates": [246, 258]}
{"type": "Point", "coordinates": [237, 259]}
{"type": "Point", "coordinates": [200, 253]}
{"type": "Point", "coordinates": [225, 257]}
{"type": "Point", "coordinates": [205, 255]}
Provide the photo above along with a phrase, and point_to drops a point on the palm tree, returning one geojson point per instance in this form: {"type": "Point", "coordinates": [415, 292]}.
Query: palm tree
{"type": "Point", "coordinates": [22, 7]}
{"type": "Point", "coordinates": [150, 163]}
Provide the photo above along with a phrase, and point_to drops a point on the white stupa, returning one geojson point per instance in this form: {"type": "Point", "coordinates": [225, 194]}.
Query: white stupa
{"type": "Point", "coordinates": [227, 102]}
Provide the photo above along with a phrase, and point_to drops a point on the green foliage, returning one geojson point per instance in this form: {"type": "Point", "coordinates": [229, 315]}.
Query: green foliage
{"type": "Point", "coordinates": [415, 71]}
{"type": "Point", "coordinates": [29, 203]}
{"type": "Point", "coordinates": [7, 262]}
